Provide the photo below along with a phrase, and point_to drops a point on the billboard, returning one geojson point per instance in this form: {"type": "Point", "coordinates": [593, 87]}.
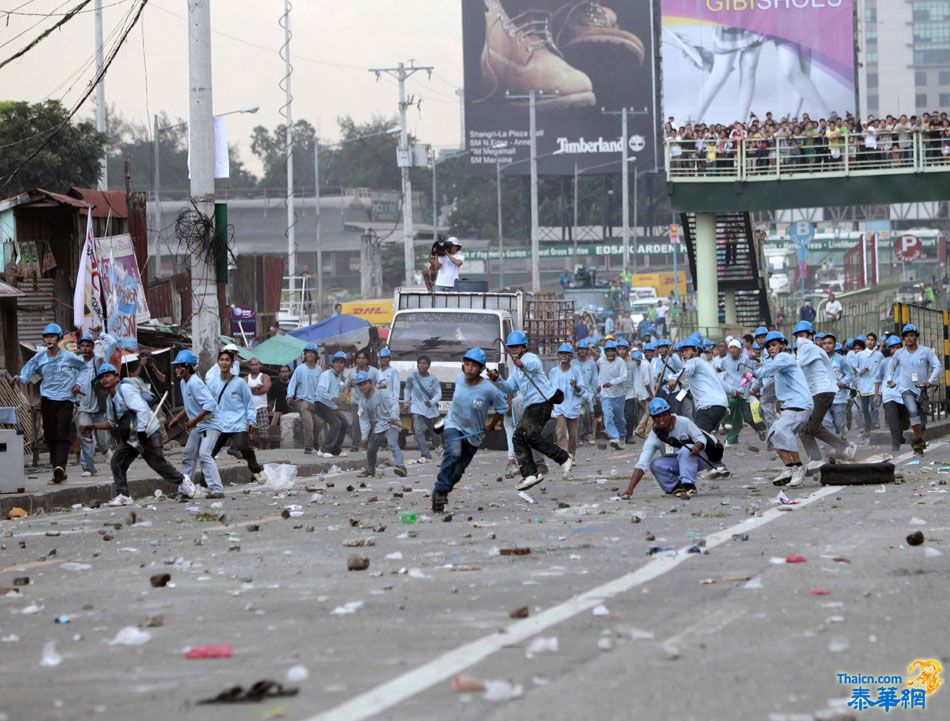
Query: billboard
{"type": "Point", "coordinates": [726, 59]}
{"type": "Point", "coordinates": [585, 61]}
{"type": "Point", "coordinates": [122, 287]}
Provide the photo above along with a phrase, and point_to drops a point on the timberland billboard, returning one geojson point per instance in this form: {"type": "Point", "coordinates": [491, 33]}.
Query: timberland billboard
{"type": "Point", "coordinates": [585, 61]}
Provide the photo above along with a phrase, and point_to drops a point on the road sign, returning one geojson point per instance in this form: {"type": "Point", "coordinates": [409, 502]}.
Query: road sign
{"type": "Point", "coordinates": [674, 234]}
{"type": "Point", "coordinates": [908, 248]}
{"type": "Point", "coordinates": [801, 232]}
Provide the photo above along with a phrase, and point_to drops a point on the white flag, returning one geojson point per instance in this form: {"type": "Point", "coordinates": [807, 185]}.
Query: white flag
{"type": "Point", "coordinates": [87, 298]}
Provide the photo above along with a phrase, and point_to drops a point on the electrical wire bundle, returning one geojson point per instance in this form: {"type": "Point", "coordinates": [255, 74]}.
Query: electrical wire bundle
{"type": "Point", "coordinates": [195, 233]}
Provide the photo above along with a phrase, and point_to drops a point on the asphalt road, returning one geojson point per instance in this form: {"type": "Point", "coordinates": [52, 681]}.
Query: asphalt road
{"type": "Point", "coordinates": [732, 632]}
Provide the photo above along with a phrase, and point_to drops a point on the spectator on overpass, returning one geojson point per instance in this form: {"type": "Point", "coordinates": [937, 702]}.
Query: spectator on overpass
{"type": "Point", "coordinates": [580, 329]}
{"type": "Point", "coordinates": [833, 309]}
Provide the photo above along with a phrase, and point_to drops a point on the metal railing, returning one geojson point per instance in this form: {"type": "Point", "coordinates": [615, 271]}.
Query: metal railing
{"type": "Point", "coordinates": [799, 157]}
{"type": "Point", "coordinates": [934, 328]}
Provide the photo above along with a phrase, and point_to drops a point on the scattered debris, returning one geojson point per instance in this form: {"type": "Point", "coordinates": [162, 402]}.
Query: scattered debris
{"type": "Point", "coordinates": [915, 539]}
{"type": "Point", "coordinates": [514, 551]}
{"type": "Point", "coordinates": [466, 684]}
{"type": "Point", "coordinates": [542, 644]}
{"type": "Point", "coordinates": [347, 608]}
{"type": "Point", "coordinates": [522, 612]}
{"type": "Point", "coordinates": [51, 657]}
{"type": "Point", "coordinates": [156, 621]}
{"type": "Point", "coordinates": [601, 611]}
{"type": "Point", "coordinates": [819, 592]}
{"type": "Point", "coordinates": [130, 636]}
{"type": "Point", "coordinates": [525, 497]}
{"type": "Point", "coordinates": [792, 558]}
{"type": "Point", "coordinates": [357, 562]}
{"type": "Point", "coordinates": [260, 691]}
{"type": "Point", "coordinates": [160, 580]}
{"type": "Point", "coordinates": [502, 691]}
{"type": "Point", "coordinates": [214, 650]}
{"type": "Point", "coordinates": [16, 512]}
{"type": "Point", "coordinates": [23, 580]}
{"type": "Point", "coordinates": [297, 674]}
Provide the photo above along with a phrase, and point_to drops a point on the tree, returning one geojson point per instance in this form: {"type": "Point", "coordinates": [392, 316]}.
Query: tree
{"type": "Point", "coordinates": [270, 148]}
{"type": "Point", "coordinates": [70, 157]}
{"type": "Point", "coordinates": [133, 141]}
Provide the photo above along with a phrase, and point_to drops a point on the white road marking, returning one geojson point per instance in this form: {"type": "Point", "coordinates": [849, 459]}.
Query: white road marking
{"type": "Point", "coordinates": [409, 684]}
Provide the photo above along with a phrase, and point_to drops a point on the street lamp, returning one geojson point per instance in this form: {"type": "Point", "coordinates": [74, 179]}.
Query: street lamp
{"type": "Point", "coordinates": [316, 194]}
{"type": "Point", "coordinates": [156, 174]}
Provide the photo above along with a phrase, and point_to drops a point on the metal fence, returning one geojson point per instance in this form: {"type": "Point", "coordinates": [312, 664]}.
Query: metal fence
{"type": "Point", "coordinates": [934, 328]}
{"type": "Point", "coordinates": [797, 156]}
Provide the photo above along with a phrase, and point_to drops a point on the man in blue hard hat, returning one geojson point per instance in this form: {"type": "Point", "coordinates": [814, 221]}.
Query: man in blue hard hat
{"type": "Point", "coordinates": [199, 409]}
{"type": "Point", "coordinates": [613, 394]}
{"type": "Point", "coordinates": [423, 393]}
{"type": "Point", "coordinates": [137, 430]}
{"type": "Point", "coordinates": [913, 371]}
{"type": "Point", "coordinates": [795, 398]}
{"type": "Point", "coordinates": [388, 376]}
{"type": "Point", "coordinates": [91, 404]}
{"type": "Point", "coordinates": [477, 408]}
{"type": "Point", "coordinates": [567, 377]}
{"type": "Point", "coordinates": [57, 369]}
{"type": "Point", "coordinates": [378, 415]}
{"type": "Point", "coordinates": [588, 369]}
{"type": "Point", "coordinates": [895, 412]}
{"type": "Point", "coordinates": [236, 416]}
{"type": "Point", "coordinates": [676, 474]}
{"type": "Point", "coordinates": [331, 388]}
{"type": "Point", "coordinates": [302, 397]}
{"type": "Point", "coordinates": [528, 379]}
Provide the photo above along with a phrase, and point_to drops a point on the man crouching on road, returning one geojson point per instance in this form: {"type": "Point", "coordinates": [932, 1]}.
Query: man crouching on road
{"type": "Point", "coordinates": [379, 424]}
{"type": "Point", "coordinates": [467, 423]}
{"type": "Point", "coordinates": [676, 474]}
{"type": "Point", "coordinates": [136, 429]}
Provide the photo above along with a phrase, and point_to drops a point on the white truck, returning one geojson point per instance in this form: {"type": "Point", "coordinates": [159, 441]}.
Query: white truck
{"type": "Point", "coordinates": [443, 326]}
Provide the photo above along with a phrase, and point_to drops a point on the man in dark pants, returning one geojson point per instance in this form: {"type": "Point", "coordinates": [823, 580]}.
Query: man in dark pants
{"type": "Point", "coordinates": [540, 396]}
{"type": "Point", "coordinates": [331, 385]}
{"type": "Point", "coordinates": [57, 369]}
{"type": "Point", "coordinates": [136, 428]}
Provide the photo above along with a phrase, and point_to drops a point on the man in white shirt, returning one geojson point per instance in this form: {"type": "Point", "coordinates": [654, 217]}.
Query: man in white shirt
{"type": "Point", "coordinates": [447, 263]}
{"type": "Point", "coordinates": [833, 309]}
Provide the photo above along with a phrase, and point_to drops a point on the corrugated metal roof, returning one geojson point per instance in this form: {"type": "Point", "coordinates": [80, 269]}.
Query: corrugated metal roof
{"type": "Point", "coordinates": [8, 291]}
{"type": "Point", "coordinates": [103, 202]}
{"type": "Point", "coordinates": [41, 196]}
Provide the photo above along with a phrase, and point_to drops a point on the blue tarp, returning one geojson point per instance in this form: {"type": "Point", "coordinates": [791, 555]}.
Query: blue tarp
{"type": "Point", "coordinates": [341, 330]}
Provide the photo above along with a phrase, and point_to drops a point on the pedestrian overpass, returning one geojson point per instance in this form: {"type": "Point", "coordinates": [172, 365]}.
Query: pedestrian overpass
{"type": "Point", "coordinates": [715, 201]}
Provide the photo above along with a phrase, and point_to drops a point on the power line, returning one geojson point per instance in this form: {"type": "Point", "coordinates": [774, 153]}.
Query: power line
{"type": "Point", "coordinates": [34, 25]}
{"type": "Point", "coordinates": [75, 109]}
{"type": "Point", "coordinates": [9, 13]}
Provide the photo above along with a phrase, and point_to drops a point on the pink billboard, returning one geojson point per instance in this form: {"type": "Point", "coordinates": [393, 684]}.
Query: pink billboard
{"type": "Point", "coordinates": [724, 60]}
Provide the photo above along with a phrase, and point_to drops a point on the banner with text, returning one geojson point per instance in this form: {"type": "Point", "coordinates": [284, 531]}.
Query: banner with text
{"type": "Point", "coordinates": [584, 61]}
{"type": "Point", "coordinates": [726, 59]}
{"type": "Point", "coordinates": [122, 287]}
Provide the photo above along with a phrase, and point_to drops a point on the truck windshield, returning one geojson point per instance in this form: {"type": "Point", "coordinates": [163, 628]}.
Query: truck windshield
{"type": "Point", "coordinates": [443, 336]}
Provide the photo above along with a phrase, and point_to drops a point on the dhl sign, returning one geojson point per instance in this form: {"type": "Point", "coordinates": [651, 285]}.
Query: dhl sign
{"type": "Point", "coordinates": [377, 312]}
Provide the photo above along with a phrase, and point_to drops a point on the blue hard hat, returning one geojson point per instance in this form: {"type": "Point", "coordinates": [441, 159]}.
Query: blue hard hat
{"type": "Point", "coordinates": [691, 343]}
{"type": "Point", "coordinates": [623, 343]}
{"type": "Point", "coordinates": [819, 336]}
{"type": "Point", "coordinates": [311, 346]}
{"type": "Point", "coordinates": [761, 330]}
{"type": "Point", "coordinates": [583, 343]}
{"type": "Point", "coordinates": [849, 343]}
{"type": "Point", "coordinates": [803, 326]}
{"type": "Point", "coordinates": [649, 346]}
{"type": "Point", "coordinates": [106, 368]}
{"type": "Point", "coordinates": [755, 345]}
{"type": "Point", "coordinates": [658, 406]}
{"type": "Point", "coordinates": [339, 355]}
{"type": "Point", "coordinates": [839, 348]}
{"type": "Point", "coordinates": [893, 341]}
{"type": "Point", "coordinates": [708, 343]}
{"type": "Point", "coordinates": [829, 335]}
{"type": "Point", "coordinates": [565, 348]}
{"type": "Point", "coordinates": [775, 335]}
{"type": "Point", "coordinates": [384, 353]}
{"type": "Point", "coordinates": [636, 355]}
{"type": "Point", "coordinates": [909, 328]}
{"type": "Point", "coordinates": [476, 355]}
{"type": "Point", "coordinates": [610, 345]}
{"type": "Point", "coordinates": [363, 377]}
{"type": "Point", "coordinates": [185, 358]}
{"type": "Point", "coordinates": [85, 338]}
{"type": "Point", "coordinates": [860, 339]}
{"type": "Point", "coordinates": [516, 338]}
{"type": "Point", "coordinates": [662, 342]}
{"type": "Point", "coordinates": [53, 329]}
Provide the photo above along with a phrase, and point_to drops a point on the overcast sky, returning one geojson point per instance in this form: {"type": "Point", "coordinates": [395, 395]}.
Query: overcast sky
{"type": "Point", "coordinates": [334, 44]}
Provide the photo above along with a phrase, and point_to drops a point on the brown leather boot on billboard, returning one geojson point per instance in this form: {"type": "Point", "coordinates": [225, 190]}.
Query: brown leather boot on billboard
{"type": "Point", "coordinates": [520, 56]}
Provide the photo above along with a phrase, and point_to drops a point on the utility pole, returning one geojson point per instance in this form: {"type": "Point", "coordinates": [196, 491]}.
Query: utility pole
{"type": "Point", "coordinates": [157, 206]}
{"type": "Point", "coordinates": [101, 100]}
{"type": "Point", "coordinates": [625, 184]}
{"type": "Point", "coordinates": [204, 318]}
{"type": "Point", "coordinates": [289, 141]}
{"type": "Point", "coordinates": [501, 233]}
{"type": "Point", "coordinates": [316, 193]}
{"type": "Point", "coordinates": [435, 201]}
{"type": "Point", "coordinates": [532, 98]}
{"type": "Point", "coordinates": [404, 157]}
{"type": "Point", "coordinates": [574, 234]}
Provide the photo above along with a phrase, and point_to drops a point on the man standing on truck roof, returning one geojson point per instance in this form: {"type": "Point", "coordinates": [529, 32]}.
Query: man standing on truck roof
{"type": "Point", "coordinates": [540, 397]}
{"type": "Point", "coordinates": [448, 262]}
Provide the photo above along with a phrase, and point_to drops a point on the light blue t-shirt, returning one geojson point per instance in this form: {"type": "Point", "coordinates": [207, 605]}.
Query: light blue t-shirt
{"type": "Point", "coordinates": [888, 394]}
{"type": "Point", "coordinates": [421, 390]}
{"type": "Point", "coordinates": [58, 373]}
{"type": "Point", "coordinates": [303, 383]}
{"type": "Point", "coordinates": [909, 370]}
{"type": "Point", "coordinates": [236, 408]}
{"type": "Point", "coordinates": [376, 411]}
{"type": "Point", "coordinates": [390, 377]}
{"type": "Point", "coordinates": [791, 388]}
{"type": "Point", "coordinates": [524, 379]}
{"type": "Point", "coordinates": [867, 366]}
{"type": "Point", "coordinates": [588, 369]}
{"type": "Point", "coordinates": [471, 407]}
{"type": "Point", "coordinates": [843, 375]}
{"type": "Point", "coordinates": [816, 365]}
{"type": "Point", "coordinates": [329, 387]}
{"type": "Point", "coordinates": [704, 384]}
{"type": "Point", "coordinates": [684, 430]}
{"type": "Point", "coordinates": [573, 399]}
{"type": "Point", "coordinates": [197, 397]}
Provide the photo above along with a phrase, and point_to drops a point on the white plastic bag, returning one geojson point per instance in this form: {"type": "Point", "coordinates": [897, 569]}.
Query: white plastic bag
{"type": "Point", "coordinates": [280, 476]}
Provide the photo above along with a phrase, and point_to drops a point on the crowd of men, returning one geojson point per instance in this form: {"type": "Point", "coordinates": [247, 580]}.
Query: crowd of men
{"type": "Point", "coordinates": [794, 393]}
